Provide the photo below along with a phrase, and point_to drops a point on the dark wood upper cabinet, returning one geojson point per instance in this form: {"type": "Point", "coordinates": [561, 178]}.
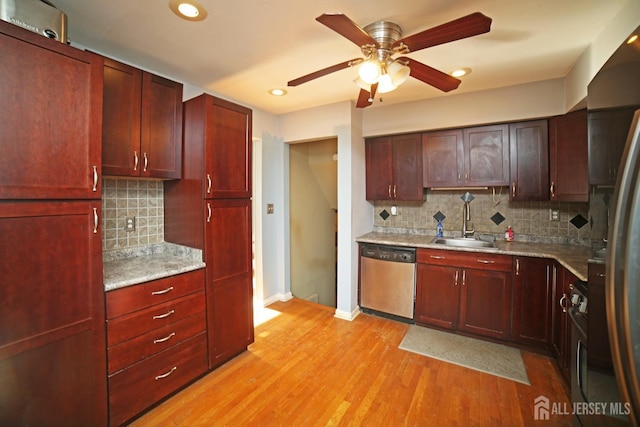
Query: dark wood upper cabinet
{"type": "Point", "coordinates": [470, 157]}
{"type": "Point", "coordinates": [568, 152]}
{"type": "Point", "coordinates": [142, 123]}
{"type": "Point", "coordinates": [49, 117]}
{"type": "Point", "coordinates": [486, 156]}
{"type": "Point", "coordinates": [442, 158]}
{"type": "Point", "coordinates": [608, 130]}
{"type": "Point", "coordinates": [227, 148]}
{"type": "Point", "coordinates": [529, 166]}
{"type": "Point", "coordinates": [394, 168]}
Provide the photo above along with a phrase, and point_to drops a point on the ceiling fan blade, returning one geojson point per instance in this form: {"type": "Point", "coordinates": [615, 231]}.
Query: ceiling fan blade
{"type": "Point", "coordinates": [324, 72]}
{"type": "Point", "coordinates": [344, 26]}
{"type": "Point", "coordinates": [365, 98]}
{"type": "Point", "coordinates": [431, 76]}
{"type": "Point", "coordinates": [467, 26]}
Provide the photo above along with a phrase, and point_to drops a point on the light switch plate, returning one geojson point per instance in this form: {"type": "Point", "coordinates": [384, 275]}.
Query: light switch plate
{"type": "Point", "coordinates": [270, 208]}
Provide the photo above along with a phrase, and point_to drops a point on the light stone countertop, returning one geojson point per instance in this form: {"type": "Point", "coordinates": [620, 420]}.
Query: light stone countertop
{"type": "Point", "coordinates": [138, 265]}
{"type": "Point", "coordinates": [574, 258]}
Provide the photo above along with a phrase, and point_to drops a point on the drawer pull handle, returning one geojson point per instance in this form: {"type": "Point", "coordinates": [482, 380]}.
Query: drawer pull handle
{"type": "Point", "coordinates": [437, 257]}
{"type": "Point", "coordinates": [167, 338]}
{"type": "Point", "coordinates": [95, 179]}
{"type": "Point", "coordinates": [486, 261]}
{"type": "Point", "coordinates": [159, 377]}
{"type": "Point", "coordinates": [162, 316]}
{"type": "Point", "coordinates": [162, 292]}
{"type": "Point", "coordinates": [208, 183]}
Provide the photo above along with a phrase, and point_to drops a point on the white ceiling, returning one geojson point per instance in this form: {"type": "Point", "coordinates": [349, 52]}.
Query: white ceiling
{"type": "Point", "coordinates": [246, 47]}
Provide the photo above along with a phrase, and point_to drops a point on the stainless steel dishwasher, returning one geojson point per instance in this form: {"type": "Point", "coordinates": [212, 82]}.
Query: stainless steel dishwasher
{"type": "Point", "coordinates": [388, 280]}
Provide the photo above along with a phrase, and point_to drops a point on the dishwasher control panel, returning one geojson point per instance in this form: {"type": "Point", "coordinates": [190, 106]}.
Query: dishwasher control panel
{"type": "Point", "coordinates": [388, 253]}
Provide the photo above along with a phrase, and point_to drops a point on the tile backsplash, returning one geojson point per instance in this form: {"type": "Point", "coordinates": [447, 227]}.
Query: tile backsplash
{"type": "Point", "coordinates": [492, 213]}
{"type": "Point", "coordinates": [139, 198]}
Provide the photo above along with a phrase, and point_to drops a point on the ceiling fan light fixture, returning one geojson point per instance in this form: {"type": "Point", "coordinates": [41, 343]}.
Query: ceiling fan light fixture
{"type": "Point", "coordinates": [188, 9]}
{"type": "Point", "coordinates": [385, 84]}
{"type": "Point", "coordinates": [362, 84]}
{"type": "Point", "coordinates": [398, 72]}
{"type": "Point", "coordinates": [369, 71]}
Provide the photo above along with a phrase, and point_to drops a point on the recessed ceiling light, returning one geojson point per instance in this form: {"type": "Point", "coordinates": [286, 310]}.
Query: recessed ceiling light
{"type": "Point", "coordinates": [632, 39]}
{"type": "Point", "coordinates": [278, 92]}
{"type": "Point", "coordinates": [460, 72]}
{"type": "Point", "coordinates": [188, 9]}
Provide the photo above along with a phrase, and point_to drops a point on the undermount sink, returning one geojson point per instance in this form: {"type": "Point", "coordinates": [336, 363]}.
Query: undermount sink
{"type": "Point", "coordinates": [464, 242]}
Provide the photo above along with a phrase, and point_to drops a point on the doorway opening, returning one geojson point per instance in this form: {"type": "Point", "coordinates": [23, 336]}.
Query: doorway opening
{"type": "Point", "coordinates": [313, 220]}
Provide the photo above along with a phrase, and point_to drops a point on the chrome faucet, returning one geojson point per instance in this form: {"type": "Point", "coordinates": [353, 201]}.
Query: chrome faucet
{"type": "Point", "coordinates": [467, 226]}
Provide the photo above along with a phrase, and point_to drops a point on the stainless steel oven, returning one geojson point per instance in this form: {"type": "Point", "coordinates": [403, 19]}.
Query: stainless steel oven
{"type": "Point", "coordinates": [594, 392]}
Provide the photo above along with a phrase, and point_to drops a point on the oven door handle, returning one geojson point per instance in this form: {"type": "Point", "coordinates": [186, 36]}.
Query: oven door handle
{"type": "Point", "coordinates": [579, 361]}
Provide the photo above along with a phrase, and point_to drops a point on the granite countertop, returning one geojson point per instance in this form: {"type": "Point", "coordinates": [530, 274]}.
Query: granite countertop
{"type": "Point", "coordinates": [138, 265]}
{"type": "Point", "coordinates": [573, 257]}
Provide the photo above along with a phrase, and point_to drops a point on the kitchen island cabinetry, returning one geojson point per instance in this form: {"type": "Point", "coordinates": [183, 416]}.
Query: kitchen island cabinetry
{"type": "Point", "coordinates": [470, 157]}
{"type": "Point", "coordinates": [52, 337]}
{"type": "Point", "coordinates": [532, 293]}
{"type": "Point", "coordinates": [529, 166]}
{"type": "Point", "coordinates": [142, 123]}
{"type": "Point", "coordinates": [210, 209]}
{"type": "Point", "coordinates": [394, 168]}
{"type": "Point", "coordinates": [156, 338]}
{"type": "Point", "coordinates": [608, 131]}
{"type": "Point", "coordinates": [482, 281]}
{"type": "Point", "coordinates": [568, 157]}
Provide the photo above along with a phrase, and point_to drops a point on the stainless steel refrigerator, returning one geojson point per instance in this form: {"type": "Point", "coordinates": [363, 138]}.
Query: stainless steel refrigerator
{"type": "Point", "coordinates": [623, 274]}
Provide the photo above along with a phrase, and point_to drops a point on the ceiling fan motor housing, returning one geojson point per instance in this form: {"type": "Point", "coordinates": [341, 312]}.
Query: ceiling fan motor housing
{"type": "Point", "coordinates": [385, 33]}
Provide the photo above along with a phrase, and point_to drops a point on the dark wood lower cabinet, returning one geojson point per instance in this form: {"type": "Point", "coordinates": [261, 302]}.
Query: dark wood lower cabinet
{"type": "Point", "coordinates": [228, 277]}
{"type": "Point", "coordinates": [532, 291]}
{"type": "Point", "coordinates": [469, 292]}
{"type": "Point", "coordinates": [52, 356]}
{"type": "Point", "coordinates": [561, 323]}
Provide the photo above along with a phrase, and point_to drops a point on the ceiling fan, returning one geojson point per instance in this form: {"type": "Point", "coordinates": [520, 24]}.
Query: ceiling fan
{"type": "Point", "coordinates": [381, 70]}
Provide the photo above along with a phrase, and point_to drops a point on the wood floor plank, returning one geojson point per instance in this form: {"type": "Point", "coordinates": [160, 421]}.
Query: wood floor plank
{"type": "Point", "coordinates": [309, 368]}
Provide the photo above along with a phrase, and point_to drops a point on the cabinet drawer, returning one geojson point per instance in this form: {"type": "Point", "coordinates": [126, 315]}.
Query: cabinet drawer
{"type": "Point", "coordinates": [140, 322]}
{"type": "Point", "coordinates": [134, 389]}
{"type": "Point", "coordinates": [143, 346]}
{"type": "Point", "coordinates": [474, 260]}
{"type": "Point", "coordinates": [125, 300]}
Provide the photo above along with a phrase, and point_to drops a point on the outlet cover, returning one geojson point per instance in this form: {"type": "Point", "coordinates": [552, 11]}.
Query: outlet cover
{"type": "Point", "coordinates": [130, 223]}
{"type": "Point", "coordinates": [270, 208]}
{"type": "Point", "coordinates": [554, 215]}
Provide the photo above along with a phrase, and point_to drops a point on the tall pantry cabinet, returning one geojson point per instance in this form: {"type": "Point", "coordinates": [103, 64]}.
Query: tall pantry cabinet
{"type": "Point", "coordinates": [52, 354]}
{"type": "Point", "coordinates": [210, 209]}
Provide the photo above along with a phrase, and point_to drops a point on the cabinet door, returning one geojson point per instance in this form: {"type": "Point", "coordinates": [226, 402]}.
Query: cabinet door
{"type": "Point", "coordinates": [561, 328]}
{"type": "Point", "coordinates": [485, 303]}
{"type": "Point", "coordinates": [121, 119]}
{"type": "Point", "coordinates": [161, 128]}
{"type": "Point", "coordinates": [52, 357]}
{"type": "Point", "coordinates": [227, 150]}
{"type": "Point", "coordinates": [437, 295]}
{"type": "Point", "coordinates": [532, 293]}
{"type": "Point", "coordinates": [608, 131]}
{"type": "Point", "coordinates": [568, 151]}
{"type": "Point", "coordinates": [50, 115]}
{"type": "Point", "coordinates": [407, 167]}
{"type": "Point", "coordinates": [379, 176]}
{"type": "Point", "coordinates": [228, 277]}
{"type": "Point", "coordinates": [486, 156]}
{"type": "Point", "coordinates": [529, 160]}
{"type": "Point", "coordinates": [442, 159]}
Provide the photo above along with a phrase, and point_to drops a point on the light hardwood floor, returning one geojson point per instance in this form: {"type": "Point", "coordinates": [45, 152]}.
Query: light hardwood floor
{"type": "Point", "coordinates": [308, 368]}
